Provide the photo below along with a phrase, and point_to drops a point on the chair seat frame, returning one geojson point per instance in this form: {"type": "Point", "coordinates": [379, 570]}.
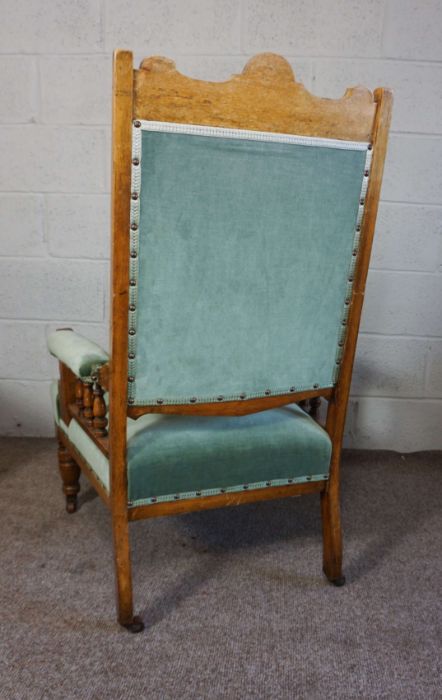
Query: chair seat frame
{"type": "Point", "coordinates": [264, 97]}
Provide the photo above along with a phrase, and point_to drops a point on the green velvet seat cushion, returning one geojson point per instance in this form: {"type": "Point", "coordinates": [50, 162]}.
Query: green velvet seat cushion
{"type": "Point", "coordinates": [187, 455]}
{"type": "Point", "coordinates": [78, 353]}
{"type": "Point", "coordinates": [181, 456]}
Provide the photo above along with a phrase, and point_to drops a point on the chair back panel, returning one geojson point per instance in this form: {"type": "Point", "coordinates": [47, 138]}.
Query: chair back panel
{"type": "Point", "coordinates": [243, 246]}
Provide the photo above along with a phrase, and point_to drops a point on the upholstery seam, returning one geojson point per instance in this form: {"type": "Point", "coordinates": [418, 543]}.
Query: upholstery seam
{"type": "Point", "coordinates": [248, 135]}
{"type": "Point", "coordinates": [352, 266]}
{"type": "Point", "coordinates": [151, 500]}
{"type": "Point", "coordinates": [133, 259]}
{"type": "Point", "coordinates": [232, 397]}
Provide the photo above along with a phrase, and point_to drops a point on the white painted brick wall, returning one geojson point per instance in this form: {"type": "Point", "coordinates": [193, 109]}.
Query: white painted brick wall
{"type": "Point", "coordinates": [51, 26]}
{"type": "Point", "coordinates": [78, 225]}
{"type": "Point", "coordinates": [51, 159]}
{"type": "Point", "coordinates": [51, 289]}
{"type": "Point", "coordinates": [87, 99]}
{"type": "Point", "coordinates": [22, 225]}
{"type": "Point", "coordinates": [192, 27]}
{"type": "Point", "coordinates": [55, 67]}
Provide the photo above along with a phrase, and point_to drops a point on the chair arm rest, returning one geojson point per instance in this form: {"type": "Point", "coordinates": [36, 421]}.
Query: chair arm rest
{"type": "Point", "coordinates": [81, 355]}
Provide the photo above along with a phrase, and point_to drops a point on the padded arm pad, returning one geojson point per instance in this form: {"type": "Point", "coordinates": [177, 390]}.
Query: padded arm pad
{"type": "Point", "coordinates": [76, 352]}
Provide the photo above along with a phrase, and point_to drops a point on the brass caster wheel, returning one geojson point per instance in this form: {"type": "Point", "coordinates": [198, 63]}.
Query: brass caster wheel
{"type": "Point", "coordinates": [338, 581]}
{"type": "Point", "coordinates": [137, 625]}
{"type": "Point", "coordinates": [71, 504]}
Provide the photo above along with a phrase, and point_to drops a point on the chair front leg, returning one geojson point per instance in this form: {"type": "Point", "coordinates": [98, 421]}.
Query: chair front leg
{"type": "Point", "coordinates": [70, 475]}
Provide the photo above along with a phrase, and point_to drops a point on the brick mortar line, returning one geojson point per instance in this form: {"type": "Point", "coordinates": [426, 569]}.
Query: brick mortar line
{"type": "Point", "coordinates": [428, 399]}
{"type": "Point", "coordinates": [105, 260]}
{"type": "Point", "coordinates": [241, 54]}
{"type": "Point", "coordinates": [105, 324]}
{"type": "Point", "coordinates": [65, 193]}
{"type": "Point", "coordinates": [33, 258]}
{"type": "Point", "coordinates": [381, 397]}
{"type": "Point", "coordinates": [105, 127]}
{"type": "Point", "coordinates": [398, 337]}
{"type": "Point", "coordinates": [70, 193]}
{"type": "Point", "coordinates": [56, 321]}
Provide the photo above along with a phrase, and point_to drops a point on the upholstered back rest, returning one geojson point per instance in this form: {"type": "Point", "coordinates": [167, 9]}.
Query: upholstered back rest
{"type": "Point", "coordinates": [243, 246]}
{"type": "Point", "coordinates": [238, 254]}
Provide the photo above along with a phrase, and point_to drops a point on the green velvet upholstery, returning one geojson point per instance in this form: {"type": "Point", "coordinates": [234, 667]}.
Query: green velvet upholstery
{"type": "Point", "coordinates": [242, 258]}
{"type": "Point", "coordinates": [241, 266]}
{"type": "Point", "coordinates": [171, 455]}
{"type": "Point", "coordinates": [185, 456]}
{"type": "Point", "coordinates": [81, 355]}
{"type": "Point", "coordinates": [92, 454]}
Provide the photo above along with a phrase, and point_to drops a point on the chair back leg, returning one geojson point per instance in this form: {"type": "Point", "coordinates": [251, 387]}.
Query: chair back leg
{"type": "Point", "coordinates": [332, 535]}
{"type": "Point", "coordinates": [123, 574]}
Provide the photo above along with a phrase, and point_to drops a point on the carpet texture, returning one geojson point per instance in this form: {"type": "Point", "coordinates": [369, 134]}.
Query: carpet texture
{"type": "Point", "coordinates": [234, 601]}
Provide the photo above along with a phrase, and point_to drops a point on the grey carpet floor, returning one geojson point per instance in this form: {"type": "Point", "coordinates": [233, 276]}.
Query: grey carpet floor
{"type": "Point", "coordinates": [234, 601]}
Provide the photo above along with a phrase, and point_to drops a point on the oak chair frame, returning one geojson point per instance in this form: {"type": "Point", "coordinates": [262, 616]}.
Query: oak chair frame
{"type": "Point", "coordinates": [264, 97]}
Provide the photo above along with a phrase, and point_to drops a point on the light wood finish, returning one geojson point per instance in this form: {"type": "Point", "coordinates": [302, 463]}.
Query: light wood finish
{"type": "Point", "coordinates": [229, 408]}
{"type": "Point", "coordinates": [332, 536]}
{"type": "Point", "coordinates": [101, 441]}
{"type": "Point", "coordinates": [88, 400]}
{"type": "Point", "coordinates": [99, 411]}
{"type": "Point", "coordinates": [79, 394]}
{"type": "Point", "coordinates": [122, 114]}
{"type": "Point", "coordinates": [103, 374]}
{"type": "Point", "coordinates": [66, 391]}
{"type": "Point", "coordinates": [83, 465]}
{"type": "Point", "coordinates": [264, 97]}
{"type": "Point", "coordinates": [70, 476]}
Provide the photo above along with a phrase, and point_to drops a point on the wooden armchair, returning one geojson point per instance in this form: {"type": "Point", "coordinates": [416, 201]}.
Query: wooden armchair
{"type": "Point", "coordinates": [243, 219]}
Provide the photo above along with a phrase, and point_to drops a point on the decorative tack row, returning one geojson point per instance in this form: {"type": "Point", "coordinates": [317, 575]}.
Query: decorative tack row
{"type": "Point", "coordinates": [229, 489]}
{"type": "Point", "coordinates": [133, 264]}
{"type": "Point", "coordinates": [242, 395]}
{"type": "Point", "coordinates": [133, 281]}
{"type": "Point", "coordinates": [353, 263]}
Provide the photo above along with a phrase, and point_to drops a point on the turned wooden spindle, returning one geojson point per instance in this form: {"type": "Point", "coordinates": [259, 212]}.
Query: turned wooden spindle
{"type": "Point", "coordinates": [315, 404]}
{"type": "Point", "coordinates": [70, 475]}
{"type": "Point", "coordinates": [99, 412]}
{"type": "Point", "coordinates": [88, 403]}
{"type": "Point", "coordinates": [79, 395]}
